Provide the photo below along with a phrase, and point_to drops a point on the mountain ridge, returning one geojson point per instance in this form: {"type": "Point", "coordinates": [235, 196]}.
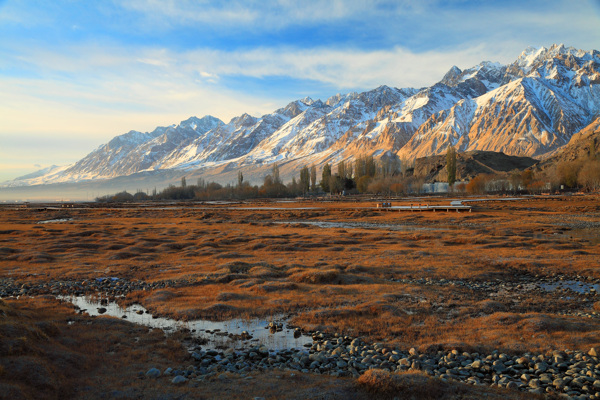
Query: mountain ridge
{"type": "Point", "coordinates": [530, 107]}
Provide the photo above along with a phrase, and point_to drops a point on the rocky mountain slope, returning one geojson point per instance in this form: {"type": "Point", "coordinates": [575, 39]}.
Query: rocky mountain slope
{"type": "Point", "coordinates": [583, 145]}
{"type": "Point", "coordinates": [531, 107]}
{"type": "Point", "coordinates": [469, 165]}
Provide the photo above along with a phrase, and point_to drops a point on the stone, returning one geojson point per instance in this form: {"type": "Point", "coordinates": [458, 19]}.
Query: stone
{"type": "Point", "coordinates": [541, 366]}
{"type": "Point", "coordinates": [498, 366]}
{"type": "Point", "coordinates": [523, 360]}
{"type": "Point", "coordinates": [593, 352]}
{"type": "Point", "coordinates": [512, 385]}
{"type": "Point", "coordinates": [558, 383]}
{"type": "Point", "coordinates": [178, 380]}
{"type": "Point", "coordinates": [153, 373]}
{"type": "Point", "coordinates": [579, 381]}
{"type": "Point", "coordinates": [534, 383]}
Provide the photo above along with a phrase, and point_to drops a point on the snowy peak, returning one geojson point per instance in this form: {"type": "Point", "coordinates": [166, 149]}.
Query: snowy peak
{"type": "Point", "coordinates": [201, 125]}
{"type": "Point", "coordinates": [534, 58]}
{"type": "Point", "coordinates": [532, 114]}
{"type": "Point", "coordinates": [529, 57]}
{"type": "Point", "coordinates": [307, 100]}
{"type": "Point", "coordinates": [338, 99]}
{"type": "Point", "coordinates": [244, 120]}
{"type": "Point", "coordinates": [452, 76]}
{"type": "Point", "coordinates": [478, 79]}
{"type": "Point", "coordinates": [134, 138]}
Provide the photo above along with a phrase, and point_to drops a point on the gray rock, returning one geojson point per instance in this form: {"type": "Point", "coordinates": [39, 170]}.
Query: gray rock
{"type": "Point", "coordinates": [541, 366]}
{"type": "Point", "coordinates": [534, 383]}
{"type": "Point", "coordinates": [153, 373]}
{"type": "Point", "coordinates": [178, 380]}
{"type": "Point", "coordinates": [498, 366]}
{"type": "Point", "coordinates": [512, 385]}
{"type": "Point", "coordinates": [559, 383]}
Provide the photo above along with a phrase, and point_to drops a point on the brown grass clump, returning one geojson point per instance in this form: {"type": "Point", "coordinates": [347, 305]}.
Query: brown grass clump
{"type": "Point", "coordinates": [317, 276]}
{"type": "Point", "coordinates": [42, 357]}
{"type": "Point", "coordinates": [406, 385]}
{"type": "Point", "coordinates": [417, 385]}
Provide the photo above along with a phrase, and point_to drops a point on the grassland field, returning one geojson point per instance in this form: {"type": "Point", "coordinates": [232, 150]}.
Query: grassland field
{"type": "Point", "coordinates": [515, 276]}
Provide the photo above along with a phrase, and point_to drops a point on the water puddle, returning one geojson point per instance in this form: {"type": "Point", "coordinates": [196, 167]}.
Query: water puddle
{"type": "Point", "coordinates": [359, 225]}
{"type": "Point", "coordinates": [217, 334]}
{"type": "Point", "coordinates": [51, 221]}
{"type": "Point", "coordinates": [575, 286]}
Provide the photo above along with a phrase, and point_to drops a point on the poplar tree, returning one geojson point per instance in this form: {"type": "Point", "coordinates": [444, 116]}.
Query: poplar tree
{"type": "Point", "coordinates": [451, 165]}
{"type": "Point", "coordinates": [325, 177]}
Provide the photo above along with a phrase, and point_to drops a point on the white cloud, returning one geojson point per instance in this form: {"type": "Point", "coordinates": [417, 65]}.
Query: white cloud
{"type": "Point", "coordinates": [258, 14]}
{"type": "Point", "coordinates": [104, 91]}
{"type": "Point", "coordinates": [341, 69]}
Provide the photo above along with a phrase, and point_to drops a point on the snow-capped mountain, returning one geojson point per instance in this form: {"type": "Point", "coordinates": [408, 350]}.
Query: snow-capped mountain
{"type": "Point", "coordinates": [136, 151]}
{"type": "Point", "coordinates": [528, 108]}
{"type": "Point", "coordinates": [551, 94]}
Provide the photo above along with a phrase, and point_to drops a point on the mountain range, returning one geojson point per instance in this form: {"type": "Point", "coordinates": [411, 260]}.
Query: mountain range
{"type": "Point", "coordinates": [531, 107]}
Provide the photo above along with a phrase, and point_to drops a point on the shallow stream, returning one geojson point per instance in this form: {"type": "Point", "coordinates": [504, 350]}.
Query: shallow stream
{"type": "Point", "coordinates": [217, 333]}
{"type": "Point", "coordinates": [359, 225]}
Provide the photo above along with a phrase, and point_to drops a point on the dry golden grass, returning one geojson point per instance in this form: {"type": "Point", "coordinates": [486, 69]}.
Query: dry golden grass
{"type": "Point", "coordinates": [42, 357]}
{"type": "Point", "coordinates": [235, 262]}
{"type": "Point", "coordinates": [383, 384]}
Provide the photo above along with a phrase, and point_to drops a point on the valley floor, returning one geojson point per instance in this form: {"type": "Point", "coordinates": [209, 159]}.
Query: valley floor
{"type": "Point", "coordinates": [514, 277]}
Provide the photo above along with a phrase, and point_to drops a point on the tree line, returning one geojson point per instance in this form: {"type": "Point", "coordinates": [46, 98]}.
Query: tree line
{"type": "Point", "coordinates": [387, 176]}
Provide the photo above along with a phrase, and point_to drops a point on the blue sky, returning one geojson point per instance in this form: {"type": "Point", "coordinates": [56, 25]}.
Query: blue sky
{"type": "Point", "coordinates": [74, 74]}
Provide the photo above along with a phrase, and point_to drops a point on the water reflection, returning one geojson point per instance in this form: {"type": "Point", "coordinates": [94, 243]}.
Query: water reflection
{"type": "Point", "coordinates": [359, 225]}
{"type": "Point", "coordinates": [216, 333]}
{"type": "Point", "coordinates": [575, 286]}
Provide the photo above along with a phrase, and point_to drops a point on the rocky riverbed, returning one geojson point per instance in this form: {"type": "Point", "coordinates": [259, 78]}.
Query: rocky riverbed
{"type": "Point", "coordinates": [572, 374]}
{"type": "Point", "coordinates": [105, 286]}
{"type": "Point", "coordinates": [566, 373]}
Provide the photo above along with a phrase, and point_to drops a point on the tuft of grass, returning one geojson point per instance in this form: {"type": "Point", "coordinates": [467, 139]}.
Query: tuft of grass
{"type": "Point", "coordinates": [317, 276]}
{"type": "Point", "coordinates": [384, 384]}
